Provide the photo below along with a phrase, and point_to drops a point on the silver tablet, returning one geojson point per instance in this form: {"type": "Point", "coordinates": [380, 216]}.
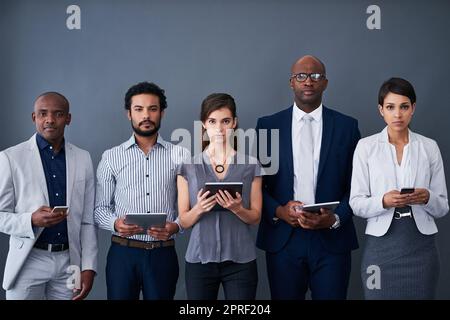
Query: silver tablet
{"type": "Point", "coordinates": [146, 220]}
{"type": "Point", "coordinates": [315, 208]}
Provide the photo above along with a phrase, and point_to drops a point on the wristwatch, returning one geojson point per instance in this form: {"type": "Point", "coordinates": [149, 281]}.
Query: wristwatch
{"type": "Point", "coordinates": [337, 223]}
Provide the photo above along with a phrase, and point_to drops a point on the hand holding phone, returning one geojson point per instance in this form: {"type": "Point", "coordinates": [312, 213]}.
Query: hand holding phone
{"type": "Point", "coordinates": [419, 196]}
{"type": "Point", "coordinates": [396, 199]}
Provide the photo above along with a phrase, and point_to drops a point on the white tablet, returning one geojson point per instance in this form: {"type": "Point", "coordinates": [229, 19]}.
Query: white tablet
{"type": "Point", "coordinates": [146, 220]}
{"type": "Point", "coordinates": [315, 208]}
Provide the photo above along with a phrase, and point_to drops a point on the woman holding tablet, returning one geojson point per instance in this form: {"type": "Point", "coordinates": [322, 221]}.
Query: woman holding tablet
{"type": "Point", "coordinates": [398, 185]}
{"type": "Point", "coordinates": [221, 248]}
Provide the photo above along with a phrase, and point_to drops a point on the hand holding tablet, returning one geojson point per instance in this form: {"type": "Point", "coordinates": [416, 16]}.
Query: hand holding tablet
{"type": "Point", "coordinates": [315, 208]}
{"type": "Point", "coordinates": [231, 187]}
{"type": "Point", "coordinates": [146, 220]}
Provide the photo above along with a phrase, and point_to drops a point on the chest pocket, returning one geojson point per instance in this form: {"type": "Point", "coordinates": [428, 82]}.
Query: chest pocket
{"type": "Point", "coordinates": [167, 177]}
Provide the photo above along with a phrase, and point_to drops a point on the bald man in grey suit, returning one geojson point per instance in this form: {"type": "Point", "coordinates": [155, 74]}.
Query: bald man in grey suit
{"type": "Point", "coordinates": [48, 250]}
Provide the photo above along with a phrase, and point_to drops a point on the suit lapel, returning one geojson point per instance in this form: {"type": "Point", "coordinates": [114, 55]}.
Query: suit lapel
{"type": "Point", "coordinates": [286, 140]}
{"type": "Point", "coordinates": [38, 168]}
{"type": "Point", "coordinates": [327, 136]}
{"type": "Point", "coordinates": [39, 176]}
{"type": "Point", "coordinates": [414, 157]}
{"type": "Point", "coordinates": [70, 172]}
{"type": "Point", "coordinates": [387, 160]}
{"type": "Point", "coordinates": [71, 166]}
{"type": "Point", "coordinates": [388, 166]}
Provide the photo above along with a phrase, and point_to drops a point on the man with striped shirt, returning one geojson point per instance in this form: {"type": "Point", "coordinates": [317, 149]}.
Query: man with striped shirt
{"type": "Point", "coordinates": [139, 176]}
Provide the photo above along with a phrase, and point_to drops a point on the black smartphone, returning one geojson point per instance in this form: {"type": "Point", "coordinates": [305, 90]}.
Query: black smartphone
{"type": "Point", "coordinates": [407, 190]}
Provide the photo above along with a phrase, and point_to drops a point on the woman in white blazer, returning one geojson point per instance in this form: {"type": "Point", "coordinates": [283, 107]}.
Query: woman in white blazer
{"type": "Point", "coordinates": [400, 258]}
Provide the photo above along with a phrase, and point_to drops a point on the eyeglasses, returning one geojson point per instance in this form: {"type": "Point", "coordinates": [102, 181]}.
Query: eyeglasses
{"type": "Point", "coordinates": [301, 77]}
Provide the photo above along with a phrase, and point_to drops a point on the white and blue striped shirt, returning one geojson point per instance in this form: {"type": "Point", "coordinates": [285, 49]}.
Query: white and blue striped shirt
{"type": "Point", "coordinates": [128, 181]}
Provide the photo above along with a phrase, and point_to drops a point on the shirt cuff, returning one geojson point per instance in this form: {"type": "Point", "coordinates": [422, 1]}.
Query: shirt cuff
{"type": "Point", "coordinates": [112, 222]}
{"type": "Point", "coordinates": [180, 229]}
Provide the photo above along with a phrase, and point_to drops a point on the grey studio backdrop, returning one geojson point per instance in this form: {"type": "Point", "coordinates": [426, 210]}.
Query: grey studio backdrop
{"type": "Point", "coordinates": [245, 48]}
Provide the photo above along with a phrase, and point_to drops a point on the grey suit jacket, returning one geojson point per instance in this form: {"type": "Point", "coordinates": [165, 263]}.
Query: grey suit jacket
{"type": "Point", "coordinates": [23, 189]}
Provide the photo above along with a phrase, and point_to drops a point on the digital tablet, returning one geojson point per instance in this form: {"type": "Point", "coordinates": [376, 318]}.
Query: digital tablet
{"type": "Point", "coordinates": [146, 220]}
{"type": "Point", "coordinates": [315, 208]}
{"type": "Point", "coordinates": [231, 187]}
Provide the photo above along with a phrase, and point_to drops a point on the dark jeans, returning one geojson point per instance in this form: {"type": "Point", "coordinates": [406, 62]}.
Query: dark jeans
{"type": "Point", "coordinates": [130, 270]}
{"type": "Point", "coordinates": [239, 280]}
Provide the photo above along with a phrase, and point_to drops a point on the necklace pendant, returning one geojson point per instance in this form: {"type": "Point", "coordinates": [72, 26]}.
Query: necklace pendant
{"type": "Point", "coordinates": [219, 168]}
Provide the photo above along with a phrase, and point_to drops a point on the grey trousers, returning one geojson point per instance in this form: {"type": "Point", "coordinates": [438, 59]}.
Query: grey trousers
{"type": "Point", "coordinates": [43, 276]}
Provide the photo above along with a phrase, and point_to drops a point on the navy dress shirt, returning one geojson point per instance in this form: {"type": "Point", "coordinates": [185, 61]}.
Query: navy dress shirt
{"type": "Point", "coordinates": [55, 175]}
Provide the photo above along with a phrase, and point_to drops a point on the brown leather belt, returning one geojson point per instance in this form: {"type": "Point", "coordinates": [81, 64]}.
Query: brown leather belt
{"type": "Point", "coordinates": [148, 245]}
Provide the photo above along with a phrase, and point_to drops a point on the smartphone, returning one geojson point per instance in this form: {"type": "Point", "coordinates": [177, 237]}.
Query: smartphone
{"type": "Point", "coordinates": [407, 190]}
{"type": "Point", "coordinates": [60, 210]}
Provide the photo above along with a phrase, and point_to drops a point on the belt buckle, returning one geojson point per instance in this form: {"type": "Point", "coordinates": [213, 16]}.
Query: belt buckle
{"type": "Point", "coordinates": [58, 247]}
{"type": "Point", "coordinates": [150, 246]}
{"type": "Point", "coordinates": [398, 215]}
{"type": "Point", "coordinates": [53, 247]}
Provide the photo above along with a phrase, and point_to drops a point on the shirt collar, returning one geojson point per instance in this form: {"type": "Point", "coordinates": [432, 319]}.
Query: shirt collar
{"type": "Point", "coordinates": [132, 142]}
{"type": "Point", "coordinates": [43, 144]}
{"type": "Point", "coordinates": [384, 136]}
{"type": "Point", "coordinates": [316, 114]}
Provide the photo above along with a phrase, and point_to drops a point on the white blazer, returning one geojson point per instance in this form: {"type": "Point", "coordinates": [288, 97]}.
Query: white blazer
{"type": "Point", "coordinates": [23, 189]}
{"type": "Point", "coordinates": [374, 175]}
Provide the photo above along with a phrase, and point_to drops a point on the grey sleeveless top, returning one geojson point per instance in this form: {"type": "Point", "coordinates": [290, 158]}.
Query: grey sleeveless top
{"type": "Point", "coordinates": [220, 236]}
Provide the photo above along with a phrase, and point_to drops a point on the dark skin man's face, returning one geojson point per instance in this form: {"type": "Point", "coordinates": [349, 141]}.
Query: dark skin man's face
{"type": "Point", "coordinates": [51, 116]}
{"type": "Point", "coordinates": [308, 94]}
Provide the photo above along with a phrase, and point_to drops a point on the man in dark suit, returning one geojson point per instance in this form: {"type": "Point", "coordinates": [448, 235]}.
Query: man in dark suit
{"type": "Point", "coordinates": [307, 250]}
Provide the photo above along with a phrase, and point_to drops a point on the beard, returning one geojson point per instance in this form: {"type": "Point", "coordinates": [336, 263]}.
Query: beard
{"type": "Point", "coordinates": [146, 133]}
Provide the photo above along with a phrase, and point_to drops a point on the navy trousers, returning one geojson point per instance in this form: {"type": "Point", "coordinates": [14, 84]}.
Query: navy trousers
{"type": "Point", "coordinates": [132, 270]}
{"type": "Point", "coordinates": [303, 263]}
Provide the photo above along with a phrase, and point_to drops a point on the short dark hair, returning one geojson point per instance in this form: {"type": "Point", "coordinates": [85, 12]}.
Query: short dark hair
{"type": "Point", "coordinates": [54, 93]}
{"type": "Point", "coordinates": [213, 102]}
{"type": "Point", "coordinates": [145, 88]}
{"type": "Point", "coordinates": [398, 86]}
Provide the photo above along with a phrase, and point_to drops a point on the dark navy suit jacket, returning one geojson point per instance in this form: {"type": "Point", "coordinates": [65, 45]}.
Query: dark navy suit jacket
{"type": "Point", "coordinates": [339, 138]}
